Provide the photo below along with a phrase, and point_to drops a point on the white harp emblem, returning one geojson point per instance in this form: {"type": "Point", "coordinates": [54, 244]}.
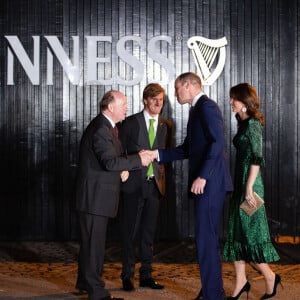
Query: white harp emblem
{"type": "Point", "coordinates": [205, 51]}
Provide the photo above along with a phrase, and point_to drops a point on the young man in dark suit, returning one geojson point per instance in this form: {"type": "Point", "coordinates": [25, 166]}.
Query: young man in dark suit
{"type": "Point", "coordinates": [100, 167]}
{"type": "Point", "coordinates": [209, 177]}
{"type": "Point", "coordinates": [142, 191]}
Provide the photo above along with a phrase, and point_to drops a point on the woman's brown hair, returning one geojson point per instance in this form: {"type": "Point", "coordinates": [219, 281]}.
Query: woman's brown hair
{"type": "Point", "coordinates": [246, 93]}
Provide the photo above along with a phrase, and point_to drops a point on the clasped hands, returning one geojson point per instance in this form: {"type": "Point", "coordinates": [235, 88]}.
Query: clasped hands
{"type": "Point", "coordinates": [148, 156]}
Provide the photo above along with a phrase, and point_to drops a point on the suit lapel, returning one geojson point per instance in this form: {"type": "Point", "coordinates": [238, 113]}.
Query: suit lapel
{"type": "Point", "coordinates": [193, 114]}
{"type": "Point", "coordinates": [142, 123]}
{"type": "Point", "coordinates": [143, 128]}
{"type": "Point", "coordinates": [117, 142]}
{"type": "Point", "coordinates": [159, 132]}
{"type": "Point", "coordinates": [190, 121]}
{"type": "Point", "coordinates": [144, 131]}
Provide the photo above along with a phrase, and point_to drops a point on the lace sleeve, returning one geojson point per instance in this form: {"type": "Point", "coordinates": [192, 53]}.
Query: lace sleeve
{"type": "Point", "coordinates": [256, 141]}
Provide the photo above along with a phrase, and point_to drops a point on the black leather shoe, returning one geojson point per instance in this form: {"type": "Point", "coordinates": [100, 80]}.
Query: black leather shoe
{"type": "Point", "coordinates": [81, 290]}
{"type": "Point", "coordinates": [150, 283]}
{"type": "Point", "coordinates": [127, 285]}
{"type": "Point", "coordinates": [200, 296]}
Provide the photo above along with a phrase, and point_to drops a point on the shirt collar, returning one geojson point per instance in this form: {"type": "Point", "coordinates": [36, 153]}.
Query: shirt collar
{"type": "Point", "coordinates": [148, 117]}
{"type": "Point", "coordinates": [196, 98]}
{"type": "Point", "coordinates": [110, 120]}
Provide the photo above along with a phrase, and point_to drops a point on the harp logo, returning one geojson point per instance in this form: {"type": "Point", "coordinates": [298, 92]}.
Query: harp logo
{"type": "Point", "coordinates": [209, 56]}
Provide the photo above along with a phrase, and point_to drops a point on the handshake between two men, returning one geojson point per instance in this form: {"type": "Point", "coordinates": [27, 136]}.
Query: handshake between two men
{"type": "Point", "coordinates": [146, 156]}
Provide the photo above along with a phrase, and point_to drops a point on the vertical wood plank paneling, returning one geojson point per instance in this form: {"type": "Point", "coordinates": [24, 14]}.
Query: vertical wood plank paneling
{"type": "Point", "coordinates": [133, 47]}
{"type": "Point", "coordinates": [72, 99]}
{"type": "Point", "coordinates": [256, 48]}
{"type": "Point", "coordinates": [213, 27]}
{"type": "Point", "coordinates": [96, 14]}
{"type": "Point", "coordinates": [268, 104]}
{"type": "Point", "coordinates": [243, 49]}
{"type": "Point", "coordinates": [52, 111]}
{"type": "Point", "coordinates": [169, 213]}
{"type": "Point", "coordinates": [297, 96]}
{"type": "Point", "coordinates": [271, 114]}
{"type": "Point", "coordinates": [259, 78]}
{"type": "Point", "coordinates": [41, 125]}
{"type": "Point", "coordinates": [287, 116]}
{"type": "Point", "coordinates": [138, 29]}
{"type": "Point", "coordinates": [183, 218]}
{"type": "Point", "coordinates": [35, 217]}
{"type": "Point", "coordinates": [223, 16]}
{"type": "Point", "coordinates": [276, 111]}
{"type": "Point", "coordinates": [182, 111]}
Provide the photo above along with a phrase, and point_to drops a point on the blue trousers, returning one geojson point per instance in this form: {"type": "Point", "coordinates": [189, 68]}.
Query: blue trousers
{"type": "Point", "coordinates": [208, 211]}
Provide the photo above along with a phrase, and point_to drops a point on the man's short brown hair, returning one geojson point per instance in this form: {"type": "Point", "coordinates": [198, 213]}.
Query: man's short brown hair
{"type": "Point", "coordinates": [152, 90]}
{"type": "Point", "coordinates": [190, 76]}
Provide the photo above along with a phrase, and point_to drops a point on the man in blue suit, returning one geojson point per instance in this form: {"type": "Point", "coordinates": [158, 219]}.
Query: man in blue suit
{"type": "Point", "coordinates": [209, 177]}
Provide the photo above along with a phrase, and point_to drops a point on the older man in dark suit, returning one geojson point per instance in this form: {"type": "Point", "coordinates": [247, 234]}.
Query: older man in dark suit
{"type": "Point", "coordinates": [101, 165]}
{"type": "Point", "coordinates": [209, 177]}
{"type": "Point", "coordinates": [141, 193]}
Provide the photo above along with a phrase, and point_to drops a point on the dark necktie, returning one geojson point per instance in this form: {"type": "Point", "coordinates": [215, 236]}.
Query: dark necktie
{"type": "Point", "coordinates": [116, 131]}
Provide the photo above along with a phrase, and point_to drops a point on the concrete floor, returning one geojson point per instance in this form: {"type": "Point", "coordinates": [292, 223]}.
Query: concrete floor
{"type": "Point", "coordinates": [40, 271]}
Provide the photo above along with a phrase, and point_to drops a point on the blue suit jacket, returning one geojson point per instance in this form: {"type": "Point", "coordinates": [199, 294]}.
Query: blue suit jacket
{"type": "Point", "coordinates": [204, 146]}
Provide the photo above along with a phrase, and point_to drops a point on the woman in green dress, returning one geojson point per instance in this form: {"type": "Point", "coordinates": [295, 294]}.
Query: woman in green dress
{"type": "Point", "coordinates": [248, 236]}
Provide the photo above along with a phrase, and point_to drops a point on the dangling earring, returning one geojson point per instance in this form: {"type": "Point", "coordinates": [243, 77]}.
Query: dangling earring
{"type": "Point", "coordinates": [244, 109]}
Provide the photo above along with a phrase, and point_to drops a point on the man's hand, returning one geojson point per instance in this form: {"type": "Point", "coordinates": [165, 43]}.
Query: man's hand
{"type": "Point", "coordinates": [198, 186]}
{"type": "Point", "coordinates": [124, 175]}
{"type": "Point", "coordinates": [250, 198]}
{"type": "Point", "coordinates": [153, 153]}
{"type": "Point", "coordinates": [146, 157]}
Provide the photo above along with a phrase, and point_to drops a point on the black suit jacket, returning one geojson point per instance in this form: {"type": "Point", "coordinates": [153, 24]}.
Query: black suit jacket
{"type": "Point", "coordinates": [100, 164]}
{"type": "Point", "coordinates": [134, 137]}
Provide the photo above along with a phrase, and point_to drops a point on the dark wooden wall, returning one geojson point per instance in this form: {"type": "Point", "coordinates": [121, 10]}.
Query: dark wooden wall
{"type": "Point", "coordinates": [41, 125]}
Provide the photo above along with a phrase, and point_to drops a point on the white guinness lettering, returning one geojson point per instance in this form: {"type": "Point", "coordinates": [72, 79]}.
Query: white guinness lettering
{"type": "Point", "coordinates": [73, 69]}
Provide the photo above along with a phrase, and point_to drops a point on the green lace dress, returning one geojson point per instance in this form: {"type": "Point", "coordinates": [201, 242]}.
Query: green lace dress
{"type": "Point", "coordinates": [248, 237]}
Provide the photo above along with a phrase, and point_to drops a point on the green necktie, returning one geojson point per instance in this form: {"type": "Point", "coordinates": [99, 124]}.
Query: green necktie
{"type": "Point", "coordinates": [151, 134]}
